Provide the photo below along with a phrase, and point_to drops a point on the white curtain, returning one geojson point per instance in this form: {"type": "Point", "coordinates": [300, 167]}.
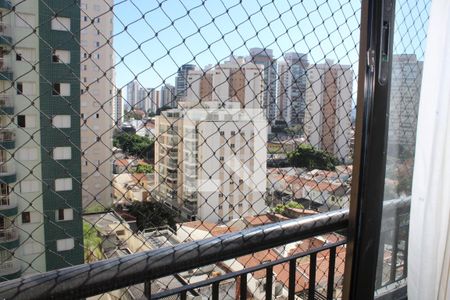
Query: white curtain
{"type": "Point", "coordinates": [429, 235]}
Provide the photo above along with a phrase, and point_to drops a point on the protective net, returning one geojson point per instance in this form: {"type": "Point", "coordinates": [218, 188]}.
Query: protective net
{"type": "Point", "coordinates": [134, 125]}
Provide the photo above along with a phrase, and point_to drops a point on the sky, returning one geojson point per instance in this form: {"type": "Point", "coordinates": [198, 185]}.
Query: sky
{"type": "Point", "coordinates": [153, 38]}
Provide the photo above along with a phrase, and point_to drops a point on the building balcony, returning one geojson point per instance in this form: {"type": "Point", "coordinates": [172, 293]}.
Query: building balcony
{"type": "Point", "coordinates": [8, 207]}
{"type": "Point", "coordinates": [5, 68]}
{"type": "Point", "coordinates": [5, 33]}
{"type": "Point", "coordinates": [319, 268]}
{"type": "Point", "coordinates": [7, 172]}
{"type": "Point", "coordinates": [6, 105]}
{"type": "Point", "coordinates": [7, 138]}
{"type": "Point", "coordinates": [9, 238]}
{"type": "Point", "coordinates": [10, 269]}
{"type": "Point", "coordinates": [5, 5]}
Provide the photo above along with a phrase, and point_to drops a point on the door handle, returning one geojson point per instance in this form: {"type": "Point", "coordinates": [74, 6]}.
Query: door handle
{"type": "Point", "coordinates": [386, 32]}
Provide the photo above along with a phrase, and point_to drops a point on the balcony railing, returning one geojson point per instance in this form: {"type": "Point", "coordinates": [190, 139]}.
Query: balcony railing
{"type": "Point", "coordinates": [5, 101]}
{"type": "Point", "coordinates": [9, 267]}
{"type": "Point", "coordinates": [8, 235]}
{"type": "Point", "coordinates": [5, 65]}
{"type": "Point", "coordinates": [4, 29]}
{"type": "Point", "coordinates": [7, 135]}
{"type": "Point", "coordinates": [6, 202]}
{"type": "Point", "coordinates": [7, 168]}
{"type": "Point", "coordinates": [149, 266]}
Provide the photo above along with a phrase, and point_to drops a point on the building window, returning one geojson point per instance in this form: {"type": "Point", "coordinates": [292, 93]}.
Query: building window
{"type": "Point", "coordinates": [61, 56]}
{"type": "Point", "coordinates": [85, 18]}
{"type": "Point", "coordinates": [27, 154]}
{"type": "Point", "coordinates": [233, 133]}
{"type": "Point", "coordinates": [62, 153]}
{"type": "Point", "coordinates": [97, 116]}
{"type": "Point", "coordinates": [31, 248]}
{"type": "Point", "coordinates": [63, 184]}
{"type": "Point", "coordinates": [222, 133]}
{"type": "Point", "coordinates": [25, 54]}
{"type": "Point", "coordinates": [26, 217]}
{"type": "Point", "coordinates": [26, 121]}
{"type": "Point", "coordinates": [19, 88]}
{"type": "Point", "coordinates": [61, 89]}
{"type": "Point", "coordinates": [29, 186]}
{"type": "Point", "coordinates": [61, 24]}
{"type": "Point", "coordinates": [29, 217]}
{"type": "Point", "coordinates": [21, 121]}
{"type": "Point", "coordinates": [222, 158]}
{"type": "Point", "coordinates": [64, 214]}
{"type": "Point", "coordinates": [65, 244]}
{"type": "Point", "coordinates": [232, 146]}
{"type": "Point", "coordinates": [62, 121]}
{"type": "Point", "coordinates": [25, 88]}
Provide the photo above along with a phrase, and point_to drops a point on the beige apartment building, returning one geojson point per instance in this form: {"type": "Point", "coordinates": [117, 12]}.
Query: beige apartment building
{"type": "Point", "coordinates": [234, 80]}
{"type": "Point", "coordinates": [97, 99]}
{"type": "Point", "coordinates": [211, 160]}
{"type": "Point", "coordinates": [328, 108]}
{"type": "Point", "coordinates": [210, 152]}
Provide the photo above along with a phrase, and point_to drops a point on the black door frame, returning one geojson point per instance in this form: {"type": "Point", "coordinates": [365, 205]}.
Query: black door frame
{"type": "Point", "coordinates": [369, 165]}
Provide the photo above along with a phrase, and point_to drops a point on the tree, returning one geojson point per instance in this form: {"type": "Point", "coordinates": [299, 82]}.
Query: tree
{"type": "Point", "coordinates": [293, 204]}
{"type": "Point", "coordinates": [144, 168]}
{"type": "Point", "coordinates": [92, 243]}
{"type": "Point", "coordinates": [279, 209]}
{"type": "Point", "coordinates": [136, 145]}
{"type": "Point", "coordinates": [305, 156]}
{"type": "Point", "coordinates": [294, 130]}
{"type": "Point", "coordinates": [152, 214]}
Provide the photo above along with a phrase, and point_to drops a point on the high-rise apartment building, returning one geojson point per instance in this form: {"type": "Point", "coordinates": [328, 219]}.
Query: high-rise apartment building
{"type": "Point", "coordinates": [211, 160]}
{"type": "Point", "coordinates": [231, 81]}
{"type": "Point", "coordinates": [405, 96]}
{"type": "Point", "coordinates": [132, 95]}
{"type": "Point", "coordinates": [181, 84]}
{"type": "Point", "coordinates": [97, 59]}
{"type": "Point", "coordinates": [167, 96]}
{"type": "Point", "coordinates": [265, 57]}
{"type": "Point", "coordinates": [292, 88]}
{"type": "Point", "coordinates": [152, 100]}
{"type": "Point", "coordinates": [40, 202]}
{"type": "Point", "coordinates": [329, 107]}
{"type": "Point", "coordinates": [118, 109]}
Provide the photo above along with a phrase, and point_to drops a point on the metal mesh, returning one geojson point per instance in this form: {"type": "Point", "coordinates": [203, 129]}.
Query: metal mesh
{"type": "Point", "coordinates": [133, 125]}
